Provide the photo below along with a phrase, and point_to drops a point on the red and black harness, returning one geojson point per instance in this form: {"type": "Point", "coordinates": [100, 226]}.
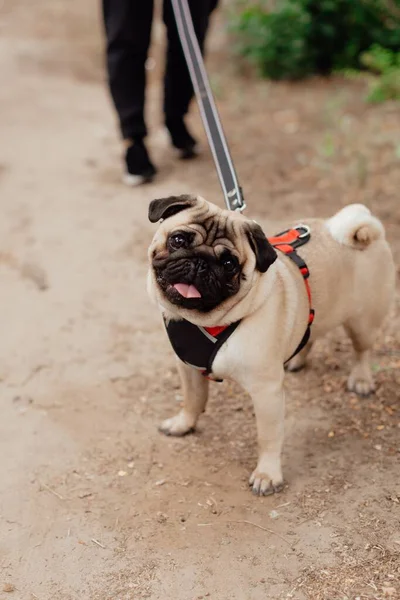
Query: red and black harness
{"type": "Point", "coordinates": [198, 346]}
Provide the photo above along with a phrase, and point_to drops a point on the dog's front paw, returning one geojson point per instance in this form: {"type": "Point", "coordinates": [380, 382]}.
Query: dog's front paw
{"type": "Point", "coordinates": [178, 426]}
{"type": "Point", "coordinates": [264, 485]}
{"type": "Point", "coordinates": [361, 382]}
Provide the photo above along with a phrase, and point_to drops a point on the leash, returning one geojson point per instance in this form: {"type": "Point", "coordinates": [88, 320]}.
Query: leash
{"type": "Point", "coordinates": [208, 110]}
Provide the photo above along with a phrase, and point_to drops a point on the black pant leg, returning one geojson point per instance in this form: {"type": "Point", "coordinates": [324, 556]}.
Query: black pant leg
{"type": "Point", "coordinates": [128, 29]}
{"type": "Point", "coordinates": [178, 89]}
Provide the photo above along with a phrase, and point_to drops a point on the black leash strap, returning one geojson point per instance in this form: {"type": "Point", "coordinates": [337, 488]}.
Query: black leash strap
{"type": "Point", "coordinates": [209, 114]}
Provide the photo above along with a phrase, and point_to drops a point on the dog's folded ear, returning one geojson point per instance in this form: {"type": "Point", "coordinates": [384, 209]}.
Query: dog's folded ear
{"type": "Point", "coordinates": [265, 253]}
{"type": "Point", "coordinates": [163, 208]}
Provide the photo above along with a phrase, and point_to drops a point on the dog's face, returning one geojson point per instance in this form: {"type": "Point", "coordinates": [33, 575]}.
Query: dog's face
{"type": "Point", "coordinates": [203, 257]}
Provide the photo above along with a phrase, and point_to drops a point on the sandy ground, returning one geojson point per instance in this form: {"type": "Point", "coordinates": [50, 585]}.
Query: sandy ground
{"type": "Point", "coordinates": [94, 503]}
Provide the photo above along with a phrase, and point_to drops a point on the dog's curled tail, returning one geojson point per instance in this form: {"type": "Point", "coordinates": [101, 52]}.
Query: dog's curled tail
{"type": "Point", "coordinates": [355, 226]}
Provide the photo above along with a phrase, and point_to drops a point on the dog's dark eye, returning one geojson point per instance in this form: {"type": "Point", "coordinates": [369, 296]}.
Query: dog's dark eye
{"type": "Point", "coordinates": [229, 263]}
{"type": "Point", "coordinates": [178, 240]}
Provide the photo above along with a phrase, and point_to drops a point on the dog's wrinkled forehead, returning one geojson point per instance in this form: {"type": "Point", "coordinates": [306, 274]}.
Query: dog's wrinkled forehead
{"type": "Point", "coordinates": [212, 225]}
{"type": "Point", "coordinates": [212, 230]}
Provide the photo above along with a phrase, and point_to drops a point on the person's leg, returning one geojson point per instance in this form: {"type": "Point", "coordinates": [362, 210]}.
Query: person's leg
{"type": "Point", "coordinates": [178, 90]}
{"type": "Point", "coordinates": [128, 30]}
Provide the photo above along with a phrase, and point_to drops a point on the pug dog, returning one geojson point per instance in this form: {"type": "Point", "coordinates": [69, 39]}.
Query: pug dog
{"type": "Point", "coordinates": [212, 268]}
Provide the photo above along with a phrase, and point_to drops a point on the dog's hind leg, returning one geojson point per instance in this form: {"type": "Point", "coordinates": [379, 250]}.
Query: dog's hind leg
{"type": "Point", "coordinates": [360, 380]}
{"type": "Point", "coordinates": [195, 396]}
{"type": "Point", "coordinates": [299, 361]}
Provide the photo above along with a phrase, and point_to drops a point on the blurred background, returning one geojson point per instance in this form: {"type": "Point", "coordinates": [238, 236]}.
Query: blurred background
{"type": "Point", "coordinates": [94, 504]}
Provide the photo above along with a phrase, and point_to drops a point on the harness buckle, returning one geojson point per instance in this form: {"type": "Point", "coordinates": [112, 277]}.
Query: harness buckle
{"type": "Point", "coordinates": [306, 232]}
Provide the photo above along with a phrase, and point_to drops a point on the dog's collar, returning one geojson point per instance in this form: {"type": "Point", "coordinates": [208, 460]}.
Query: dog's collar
{"type": "Point", "coordinates": [198, 346]}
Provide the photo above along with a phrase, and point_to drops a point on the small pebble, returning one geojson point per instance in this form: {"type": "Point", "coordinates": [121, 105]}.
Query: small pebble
{"type": "Point", "coordinates": [8, 587]}
{"type": "Point", "coordinates": [36, 274]}
{"type": "Point", "coordinates": [161, 517]}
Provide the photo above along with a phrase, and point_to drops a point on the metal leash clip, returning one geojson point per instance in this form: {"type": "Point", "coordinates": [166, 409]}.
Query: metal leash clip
{"type": "Point", "coordinates": [235, 202]}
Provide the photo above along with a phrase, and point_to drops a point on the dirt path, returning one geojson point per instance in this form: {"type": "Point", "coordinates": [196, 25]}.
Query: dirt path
{"type": "Point", "coordinates": [94, 503]}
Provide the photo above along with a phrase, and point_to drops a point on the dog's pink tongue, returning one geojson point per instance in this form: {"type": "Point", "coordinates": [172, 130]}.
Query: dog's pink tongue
{"type": "Point", "coordinates": [187, 291]}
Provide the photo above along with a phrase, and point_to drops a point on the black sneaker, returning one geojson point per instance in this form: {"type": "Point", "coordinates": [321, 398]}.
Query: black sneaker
{"type": "Point", "coordinates": [139, 168]}
{"type": "Point", "coordinates": [181, 138]}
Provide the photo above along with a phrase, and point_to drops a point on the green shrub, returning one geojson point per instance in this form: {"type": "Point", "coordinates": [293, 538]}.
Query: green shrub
{"type": "Point", "coordinates": [290, 39]}
{"type": "Point", "coordinates": [276, 42]}
{"type": "Point", "coordinates": [385, 64]}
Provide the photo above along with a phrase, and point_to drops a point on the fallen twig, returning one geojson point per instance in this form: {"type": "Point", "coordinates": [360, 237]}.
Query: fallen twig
{"type": "Point", "coordinates": [32, 374]}
{"type": "Point", "coordinates": [388, 352]}
{"type": "Point", "coordinates": [250, 523]}
{"type": "Point", "coordinates": [46, 487]}
{"type": "Point", "coordinates": [97, 543]}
